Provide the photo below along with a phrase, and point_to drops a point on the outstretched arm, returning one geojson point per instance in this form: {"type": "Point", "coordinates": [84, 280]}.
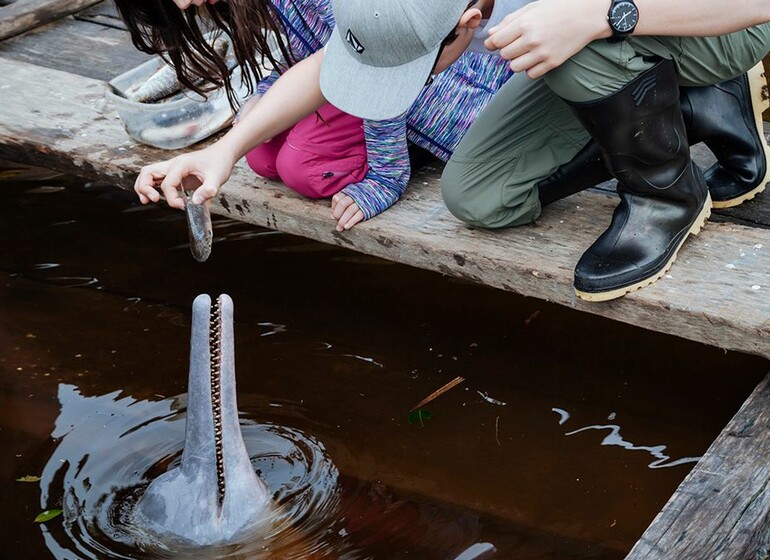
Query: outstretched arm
{"type": "Point", "coordinates": [294, 95]}
{"type": "Point", "coordinates": [385, 181]}
{"type": "Point", "coordinates": [543, 34]}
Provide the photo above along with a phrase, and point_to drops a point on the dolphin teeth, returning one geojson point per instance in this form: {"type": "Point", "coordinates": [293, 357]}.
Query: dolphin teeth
{"type": "Point", "coordinates": [216, 395]}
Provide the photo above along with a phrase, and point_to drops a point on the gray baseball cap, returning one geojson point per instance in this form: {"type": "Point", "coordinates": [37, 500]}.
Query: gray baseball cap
{"type": "Point", "coordinates": [382, 52]}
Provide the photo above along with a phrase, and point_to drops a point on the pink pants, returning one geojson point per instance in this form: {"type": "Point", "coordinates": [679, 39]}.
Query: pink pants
{"type": "Point", "coordinates": [315, 158]}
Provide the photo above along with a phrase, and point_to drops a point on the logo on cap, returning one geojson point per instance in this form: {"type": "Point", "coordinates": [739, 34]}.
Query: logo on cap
{"type": "Point", "coordinates": [354, 42]}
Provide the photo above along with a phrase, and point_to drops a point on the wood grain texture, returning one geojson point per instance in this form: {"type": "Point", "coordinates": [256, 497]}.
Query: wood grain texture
{"type": "Point", "coordinates": [79, 47]}
{"type": "Point", "coordinates": [103, 13]}
{"type": "Point", "coordinates": [24, 15]}
{"type": "Point", "coordinates": [722, 509]}
{"type": "Point", "coordinates": [717, 292]}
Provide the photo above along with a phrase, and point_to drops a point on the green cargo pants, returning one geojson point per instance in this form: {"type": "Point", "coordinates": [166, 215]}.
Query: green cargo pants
{"type": "Point", "coordinates": [527, 131]}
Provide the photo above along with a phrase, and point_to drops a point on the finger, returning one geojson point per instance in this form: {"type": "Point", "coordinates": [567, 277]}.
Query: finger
{"type": "Point", "coordinates": [208, 190]}
{"type": "Point", "coordinates": [505, 21]}
{"type": "Point", "coordinates": [515, 16]}
{"type": "Point", "coordinates": [526, 62]}
{"type": "Point", "coordinates": [539, 70]}
{"type": "Point", "coordinates": [171, 184]}
{"type": "Point", "coordinates": [335, 201]}
{"type": "Point", "coordinates": [347, 215]}
{"type": "Point", "coordinates": [516, 48]}
{"type": "Point", "coordinates": [342, 206]}
{"type": "Point", "coordinates": [357, 217]}
{"type": "Point", "coordinates": [145, 184]}
{"type": "Point", "coordinates": [504, 36]}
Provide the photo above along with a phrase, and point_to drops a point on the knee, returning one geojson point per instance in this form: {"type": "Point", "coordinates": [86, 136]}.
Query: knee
{"type": "Point", "coordinates": [452, 192]}
{"type": "Point", "coordinates": [262, 161]}
{"type": "Point", "coordinates": [298, 177]}
{"type": "Point", "coordinates": [485, 201]}
{"type": "Point", "coordinates": [319, 176]}
{"type": "Point", "coordinates": [465, 197]}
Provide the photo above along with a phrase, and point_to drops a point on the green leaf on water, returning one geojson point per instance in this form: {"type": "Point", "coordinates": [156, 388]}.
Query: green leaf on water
{"type": "Point", "coordinates": [47, 515]}
{"type": "Point", "coordinates": [420, 416]}
{"type": "Point", "coordinates": [28, 478]}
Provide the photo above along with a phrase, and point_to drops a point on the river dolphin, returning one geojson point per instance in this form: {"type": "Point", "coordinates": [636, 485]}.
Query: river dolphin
{"type": "Point", "coordinates": [214, 495]}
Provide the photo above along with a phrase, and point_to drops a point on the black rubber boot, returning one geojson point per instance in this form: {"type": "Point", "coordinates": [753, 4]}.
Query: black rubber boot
{"type": "Point", "coordinates": [727, 117]}
{"type": "Point", "coordinates": [583, 171]}
{"type": "Point", "coordinates": [663, 196]}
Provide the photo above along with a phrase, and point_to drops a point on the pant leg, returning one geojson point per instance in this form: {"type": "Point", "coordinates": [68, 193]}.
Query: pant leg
{"type": "Point", "coordinates": [522, 136]}
{"type": "Point", "coordinates": [526, 132]}
{"type": "Point", "coordinates": [262, 159]}
{"type": "Point", "coordinates": [603, 68]}
{"type": "Point", "coordinates": [323, 153]}
{"type": "Point", "coordinates": [710, 60]}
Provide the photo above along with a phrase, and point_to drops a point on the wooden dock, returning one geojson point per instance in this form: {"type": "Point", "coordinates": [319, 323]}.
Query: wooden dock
{"type": "Point", "coordinates": [54, 114]}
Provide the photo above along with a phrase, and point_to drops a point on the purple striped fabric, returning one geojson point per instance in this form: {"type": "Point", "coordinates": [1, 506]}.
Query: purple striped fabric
{"type": "Point", "coordinates": [437, 120]}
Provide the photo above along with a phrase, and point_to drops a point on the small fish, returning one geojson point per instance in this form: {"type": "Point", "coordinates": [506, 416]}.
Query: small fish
{"type": "Point", "coordinates": [164, 82]}
{"type": "Point", "coordinates": [199, 227]}
{"type": "Point", "coordinates": [161, 84]}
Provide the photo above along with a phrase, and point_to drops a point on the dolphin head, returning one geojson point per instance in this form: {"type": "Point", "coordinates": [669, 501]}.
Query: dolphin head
{"type": "Point", "coordinates": [214, 495]}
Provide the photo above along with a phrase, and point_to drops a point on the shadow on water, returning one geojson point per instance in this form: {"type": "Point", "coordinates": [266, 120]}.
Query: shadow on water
{"type": "Point", "coordinates": [568, 435]}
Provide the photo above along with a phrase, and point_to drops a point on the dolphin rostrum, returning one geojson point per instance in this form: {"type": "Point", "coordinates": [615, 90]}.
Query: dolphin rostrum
{"type": "Point", "coordinates": [214, 495]}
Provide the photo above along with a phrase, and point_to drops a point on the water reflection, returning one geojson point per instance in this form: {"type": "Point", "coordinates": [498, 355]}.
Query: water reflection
{"type": "Point", "coordinates": [614, 438]}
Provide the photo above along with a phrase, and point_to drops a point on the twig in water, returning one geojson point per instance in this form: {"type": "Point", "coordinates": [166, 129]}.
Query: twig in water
{"type": "Point", "coordinates": [532, 317]}
{"type": "Point", "coordinates": [497, 431]}
{"type": "Point", "coordinates": [456, 381]}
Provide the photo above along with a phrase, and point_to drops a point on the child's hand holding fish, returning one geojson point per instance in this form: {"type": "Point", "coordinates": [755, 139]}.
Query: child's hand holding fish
{"type": "Point", "coordinates": [293, 97]}
{"type": "Point", "coordinates": [211, 167]}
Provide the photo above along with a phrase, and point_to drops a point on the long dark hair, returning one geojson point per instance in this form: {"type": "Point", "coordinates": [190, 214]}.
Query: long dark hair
{"type": "Point", "coordinates": [160, 27]}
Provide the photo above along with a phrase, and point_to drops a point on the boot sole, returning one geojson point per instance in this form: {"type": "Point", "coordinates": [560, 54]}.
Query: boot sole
{"type": "Point", "coordinates": [620, 292]}
{"type": "Point", "coordinates": [760, 102]}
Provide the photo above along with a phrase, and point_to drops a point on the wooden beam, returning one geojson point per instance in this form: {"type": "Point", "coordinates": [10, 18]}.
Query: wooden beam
{"type": "Point", "coordinates": [75, 46]}
{"type": "Point", "coordinates": [717, 292]}
{"type": "Point", "coordinates": [722, 509]}
{"type": "Point", "coordinates": [24, 15]}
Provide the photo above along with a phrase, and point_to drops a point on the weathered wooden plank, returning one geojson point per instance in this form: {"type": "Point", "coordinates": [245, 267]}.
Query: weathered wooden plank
{"type": "Point", "coordinates": [24, 15]}
{"type": "Point", "coordinates": [79, 47]}
{"type": "Point", "coordinates": [716, 293]}
{"type": "Point", "coordinates": [103, 13]}
{"type": "Point", "coordinates": [105, 8]}
{"type": "Point", "coordinates": [722, 509]}
{"type": "Point", "coordinates": [107, 21]}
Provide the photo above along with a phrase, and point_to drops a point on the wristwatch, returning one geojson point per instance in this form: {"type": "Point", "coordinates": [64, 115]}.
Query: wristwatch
{"type": "Point", "coordinates": [622, 17]}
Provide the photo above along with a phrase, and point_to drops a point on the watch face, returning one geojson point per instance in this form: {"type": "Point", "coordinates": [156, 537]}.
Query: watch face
{"type": "Point", "coordinates": [623, 17]}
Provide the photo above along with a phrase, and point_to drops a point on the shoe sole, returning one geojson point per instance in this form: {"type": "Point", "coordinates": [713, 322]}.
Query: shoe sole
{"type": "Point", "coordinates": [620, 292]}
{"type": "Point", "coordinates": [760, 102]}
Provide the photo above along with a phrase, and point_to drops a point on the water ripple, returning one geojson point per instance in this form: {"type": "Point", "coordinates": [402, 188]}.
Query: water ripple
{"type": "Point", "coordinates": [110, 448]}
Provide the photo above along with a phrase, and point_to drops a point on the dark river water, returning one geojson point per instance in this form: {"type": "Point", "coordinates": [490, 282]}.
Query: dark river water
{"type": "Point", "coordinates": [568, 435]}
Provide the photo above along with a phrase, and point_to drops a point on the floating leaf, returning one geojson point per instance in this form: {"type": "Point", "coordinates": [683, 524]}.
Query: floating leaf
{"type": "Point", "coordinates": [419, 415]}
{"type": "Point", "coordinates": [47, 515]}
{"type": "Point", "coordinates": [28, 478]}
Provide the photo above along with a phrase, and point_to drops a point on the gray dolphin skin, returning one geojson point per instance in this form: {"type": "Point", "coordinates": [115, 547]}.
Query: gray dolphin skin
{"type": "Point", "coordinates": [215, 495]}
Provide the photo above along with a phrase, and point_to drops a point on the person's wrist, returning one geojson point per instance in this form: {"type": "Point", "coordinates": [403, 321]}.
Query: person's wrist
{"type": "Point", "coordinates": [598, 18]}
{"type": "Point", "coordinates": [228, 149]}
